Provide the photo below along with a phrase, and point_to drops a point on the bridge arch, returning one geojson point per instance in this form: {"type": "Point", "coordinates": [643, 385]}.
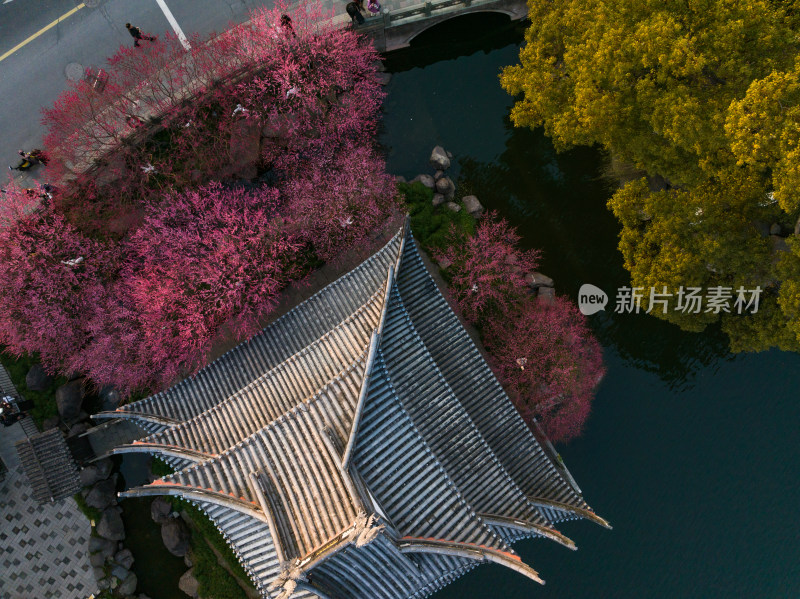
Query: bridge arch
{"type": "Point", "coordinates": [401, 26]}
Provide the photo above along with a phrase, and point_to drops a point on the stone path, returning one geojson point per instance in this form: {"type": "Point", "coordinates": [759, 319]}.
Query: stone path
{"type": "Point", "coordinates": [43, 549]}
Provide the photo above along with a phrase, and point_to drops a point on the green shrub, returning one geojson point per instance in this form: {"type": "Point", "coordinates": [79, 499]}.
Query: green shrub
{"type": "Point", "coordinates": [431, 225]}
{"type": "Point", "coordinates": [213, 579]}
{"type": "Point", "coordinates": [44, 402]}
{"type": "Point", "coordinates": [90, 512]}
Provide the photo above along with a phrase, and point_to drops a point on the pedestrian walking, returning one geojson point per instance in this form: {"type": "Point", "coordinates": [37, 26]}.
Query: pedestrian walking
{"type": "Point", "coordinates": [25, 163]}
{"type": "Point", "coordinates": [137, 35]}
{"type": "Point", "coordinates": [373, 6]}
{"type": "Point", "coordinates": [355, 13]}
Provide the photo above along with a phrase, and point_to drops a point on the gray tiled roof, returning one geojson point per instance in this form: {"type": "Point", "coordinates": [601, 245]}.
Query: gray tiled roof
{"type": "Point", "coordinates": [359, 446]}
{"type": "Point", "coordinates": [49, 466]}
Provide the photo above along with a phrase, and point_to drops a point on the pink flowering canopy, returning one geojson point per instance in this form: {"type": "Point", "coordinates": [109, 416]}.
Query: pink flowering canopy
{"type": "Point", "coordinates": [176, 249]}
{"type": "Point", "coordinates": [488, 269]}
{"type": "Point", "coordinates": [544, 354]}
{"type": "Point", "coordinates": [549, 362]}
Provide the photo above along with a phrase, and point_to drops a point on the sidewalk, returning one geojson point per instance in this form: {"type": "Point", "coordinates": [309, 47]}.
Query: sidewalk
{"type": "Point", "coordinates": [43, 549]}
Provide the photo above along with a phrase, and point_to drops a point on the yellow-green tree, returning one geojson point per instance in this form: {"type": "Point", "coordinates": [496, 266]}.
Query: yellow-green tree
{"type": "Point", "coordinates": [704, 94]}
{"type": "Point", "coordinates": [764, 132]}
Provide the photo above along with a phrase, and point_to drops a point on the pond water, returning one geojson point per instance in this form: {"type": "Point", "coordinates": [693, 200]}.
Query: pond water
{"type": "Point", "coordinates": [157, 570]}
{"type": "Point", "coordinates": [691, 453]}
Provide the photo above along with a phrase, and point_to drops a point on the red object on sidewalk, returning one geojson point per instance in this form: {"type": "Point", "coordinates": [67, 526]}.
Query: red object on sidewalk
{"type": "Point", "coordinates": [97, 78]}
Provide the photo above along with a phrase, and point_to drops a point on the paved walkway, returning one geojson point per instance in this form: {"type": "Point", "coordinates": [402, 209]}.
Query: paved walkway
{"type": "Point", "coordinates": [43, 549]}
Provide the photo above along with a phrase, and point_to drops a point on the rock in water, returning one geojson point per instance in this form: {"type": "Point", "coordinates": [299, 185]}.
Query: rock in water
{"type": "Point", "coordinates": [472, 205]}
{"type": "Point", "coordinates": [176, 537]}
{"type": "Point", "coordinates": [439, 159]}
{"type": "Point", "coordinates": [111, 526]}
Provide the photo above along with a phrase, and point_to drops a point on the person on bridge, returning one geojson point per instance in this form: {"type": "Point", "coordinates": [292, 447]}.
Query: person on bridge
{"type": "Point", "coordinates": [354, 12]}
{"type": "Point", "coordinates": [373, 6]}
{"type": "Point", "coordinates": [137, 35]}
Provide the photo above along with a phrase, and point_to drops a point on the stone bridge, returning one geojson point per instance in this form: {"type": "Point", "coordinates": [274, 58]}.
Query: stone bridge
{"type": "Point", "coordinates": [397, 25]}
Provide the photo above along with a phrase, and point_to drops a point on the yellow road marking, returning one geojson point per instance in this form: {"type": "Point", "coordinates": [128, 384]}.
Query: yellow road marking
{"type": "Point", "coordinates": [42, 30]}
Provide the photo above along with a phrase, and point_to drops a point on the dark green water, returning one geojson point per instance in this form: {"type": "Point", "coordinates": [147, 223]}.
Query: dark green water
{"type": "Point", "coordinates": [691, 453]}
{"type": "Point", "coordinates": [157, 570]}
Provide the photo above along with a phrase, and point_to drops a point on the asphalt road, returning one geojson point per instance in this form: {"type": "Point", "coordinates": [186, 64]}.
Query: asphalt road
{"type": "Point", "coordinates": [32, 77]}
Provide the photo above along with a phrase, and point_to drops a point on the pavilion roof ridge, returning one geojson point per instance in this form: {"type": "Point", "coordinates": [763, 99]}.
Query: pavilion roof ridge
{"type": "Point", "coordinates": [294, 412]}
{"type": "Point", "coordinates": [431, 461]}
{"type": "Point", "coordinates": [432, 316]}
{"type": "Point", "coordinates": [242, 395]}
{"type": "Point", "coordinates": [388, 250]}
{"type": "Point", "coordinates": [470, 434]}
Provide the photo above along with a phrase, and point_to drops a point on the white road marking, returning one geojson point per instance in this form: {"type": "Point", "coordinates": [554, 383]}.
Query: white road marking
{"type": "Point", "coordinates": [178, 31]}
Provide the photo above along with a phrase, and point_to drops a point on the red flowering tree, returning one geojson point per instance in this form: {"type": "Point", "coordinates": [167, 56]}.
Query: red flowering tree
{"type": "Point", "coordinates": [549, 362]}
{"type": "Point", "coordinates": [487, 270]}
{"type": "Point", "coordinates": [543, 353]}
{"type": "Point", "coordinates": [52, 279]}
{"type": "Point", "coordinates": [175, 259]}
{"type": "Point", "coordinates": [201, 259]}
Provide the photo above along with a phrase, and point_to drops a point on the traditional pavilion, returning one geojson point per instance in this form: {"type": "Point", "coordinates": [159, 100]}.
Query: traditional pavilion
{"type": "Point", "coordinates": [359, 446]}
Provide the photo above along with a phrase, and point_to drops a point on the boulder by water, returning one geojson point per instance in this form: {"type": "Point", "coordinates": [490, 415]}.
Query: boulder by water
{"type": "Point", "coordinates": [109, 397]}
{"type": "Point", "coordinates": [472, 205]}
{"type": "Point", "coordinates": [426, 180]}
{"type": "Point", "coordinates": [103, 494]}
{"type": "Point", "coordinates": [439, 159]}
{"type": "Point", "coordinates": [37, 379]}
{"type": "Point", "coordinates": [88, 476]}
{"type": "Point", "coordinates": [546, 295]}
{"type": "Point", "coordinates": [160, 510]}
{"type": "Point", "coordinates": [537, 279]}
{"type": "Point", "coordinates": [446, 187]}
{"type": "Point", "coordinates": [176, 537]}
{"type": "Point", "coordinates": [111, 526]}
{"type": "Point", "coordinates": [128, 585]}
{"type": "Point", "coordinates": [104, 547]}
{"type": "Point", "coordinates": [124, 558]}
{"type": "Point", "coordinates": [188, 584]}
{"type": "Point", "coordinates": [69, 398]}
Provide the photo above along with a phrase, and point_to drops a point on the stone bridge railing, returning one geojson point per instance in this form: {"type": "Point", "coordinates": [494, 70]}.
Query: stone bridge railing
{"type": "Point", "coordinates": [395, 27]}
